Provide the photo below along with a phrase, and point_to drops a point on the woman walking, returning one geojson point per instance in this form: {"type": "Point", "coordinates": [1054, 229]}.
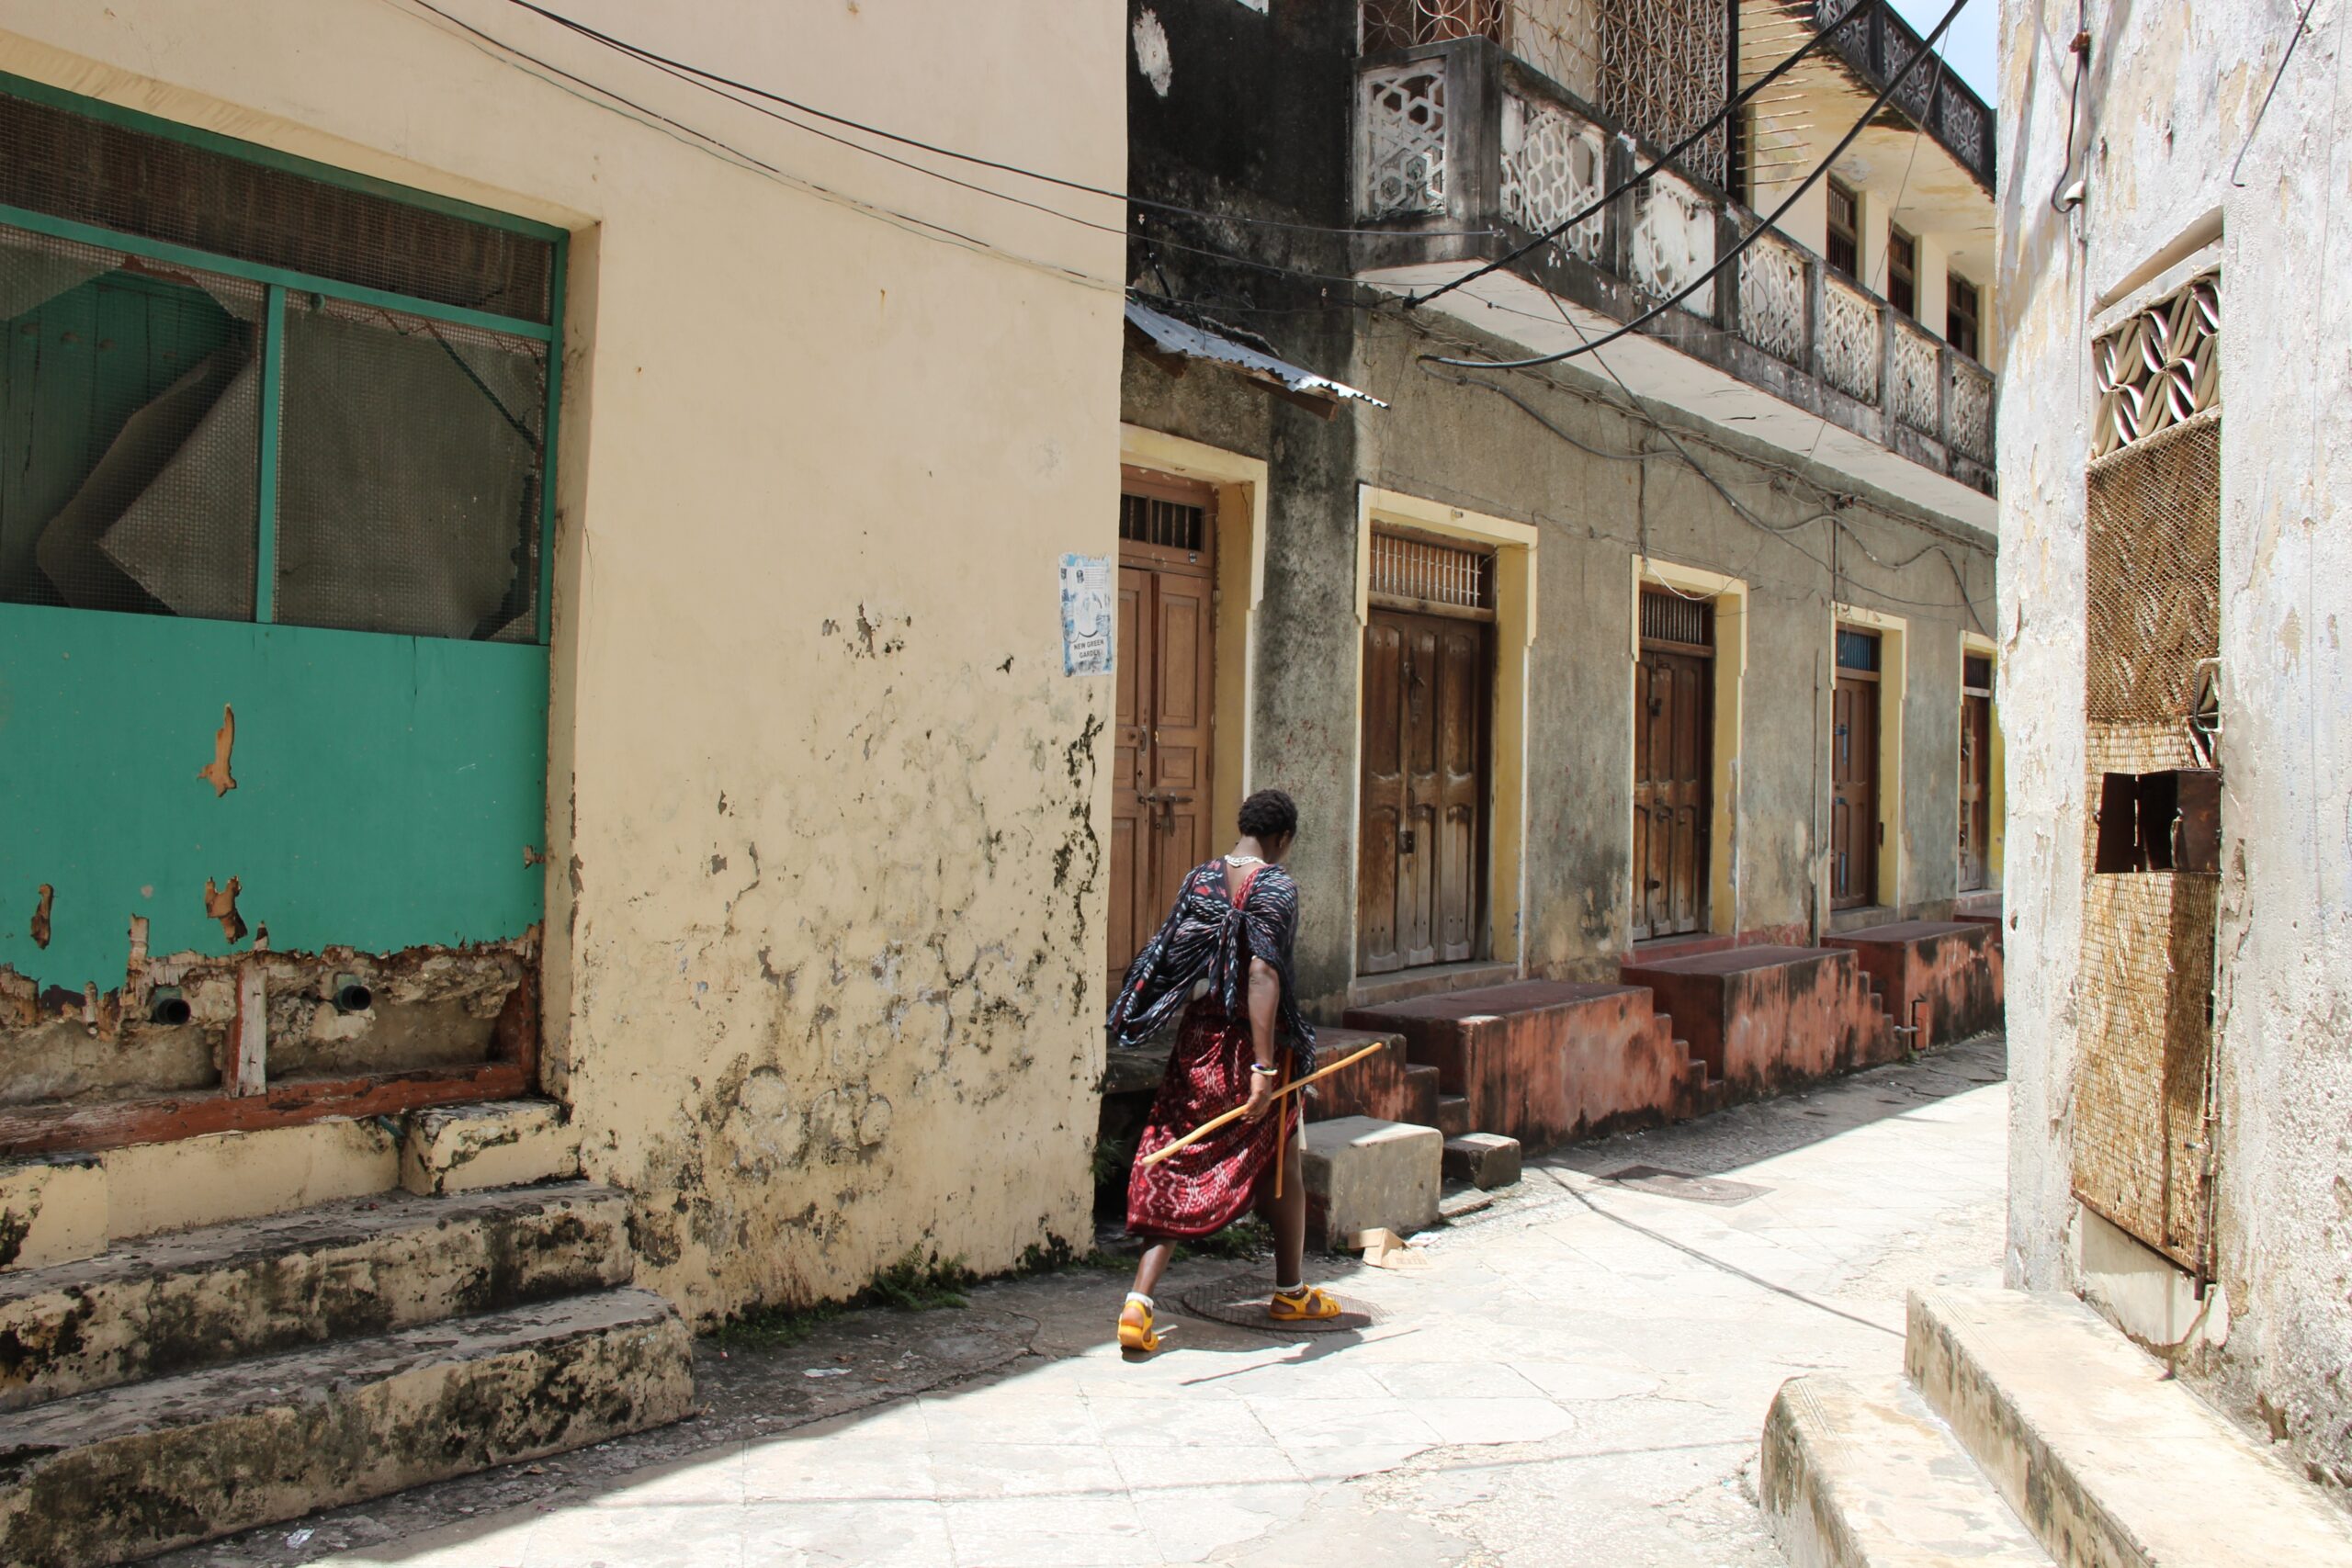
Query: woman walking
{"type": "Point", "coordinates": [1223, 958]}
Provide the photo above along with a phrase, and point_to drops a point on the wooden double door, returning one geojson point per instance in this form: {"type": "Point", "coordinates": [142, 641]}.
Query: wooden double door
{"type": "Point", "coordinates": [1854, 829]}
{"type": "Point", "coordinates": [1164, 676]}
{"type": "Point", "coordinates": [1422, 836]}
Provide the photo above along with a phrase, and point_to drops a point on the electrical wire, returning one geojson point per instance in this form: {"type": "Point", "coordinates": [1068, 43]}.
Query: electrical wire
{"type": "Point", "coordinates": [1733, 254]}
{"type": "Point", "coordinates": [711, 81]}
{"type": "Point", "coordinates": [2275, 77]}
{"type": "Point", "coordinates": [1731, 107]}
{"type": "Point", "coordinates": [2080, 48]}
{"type": "Point", "coordinates": [614, 102]}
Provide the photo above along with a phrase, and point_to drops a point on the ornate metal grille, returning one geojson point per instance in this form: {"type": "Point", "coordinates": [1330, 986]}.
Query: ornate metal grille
{"type": "Point", "coordinates": [1401, 120]}
{"type": "Point", "coordinates": [2161, 368]}
{"type": "Point", "coordinates": [1558, 38]}
{"type": "Point", "coordinates": [1663, 69]}
{"type": "Point", "coordinates": [1772, 298]}
{"type": "Point", "coordinates": [1552, 169]}
{"type": "Point", "coordinates": [1849, 341]}
{"type": "Point", "coordinates": [1424, 573]}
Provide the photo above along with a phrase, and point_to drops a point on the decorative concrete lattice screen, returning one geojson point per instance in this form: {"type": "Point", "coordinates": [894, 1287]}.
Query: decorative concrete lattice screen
{"type": "Point", "coordinates": [2160, 369]}
{"type": "Point", "coordinates": [1552, 170]}
{"type": "Point", "coordinates": [1772, 298]}
{"type": "Point", "coordinates": [1400, 117]}
{"type": "Point", "coordinates": [1849, 344]}
{"type": "Point", "coordinates": [1971, 404]}
{"type": "Point", "coordinates": [2152, 555]}
{"type": "Point", "coordinates": [1915, 379]}
{"type": "Point", "coordinates": [1663, 69]}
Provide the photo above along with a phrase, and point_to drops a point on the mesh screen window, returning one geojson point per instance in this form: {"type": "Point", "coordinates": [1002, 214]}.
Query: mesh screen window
{"type": "Point", "coordinates": [409, 465]}
{"type": "Point", "coordinates": [408, 475]}
{"type": "Point", "coordinates": [75, 165]}
{"type": "Point", "coordinates": [130, 433]}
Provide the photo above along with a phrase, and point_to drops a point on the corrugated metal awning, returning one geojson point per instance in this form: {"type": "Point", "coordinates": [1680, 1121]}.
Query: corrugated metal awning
{"type": "Point", "coordinates": [1167, 342]}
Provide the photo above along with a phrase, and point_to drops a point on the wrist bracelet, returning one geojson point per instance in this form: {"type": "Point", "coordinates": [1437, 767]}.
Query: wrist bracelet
{"type": "Point", "coordinates": [1263, 1071]}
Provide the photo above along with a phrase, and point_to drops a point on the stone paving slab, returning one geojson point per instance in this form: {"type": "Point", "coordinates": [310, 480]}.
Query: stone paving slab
{"type": "Point", "coordinates": [1576, 1377]}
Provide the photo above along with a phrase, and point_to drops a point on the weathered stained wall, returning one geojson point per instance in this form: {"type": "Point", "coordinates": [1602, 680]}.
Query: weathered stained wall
{"type": "Point", "coordinates": [824, 893]}
{"type": "Point", "coordinates": [2168, 102]}
{"type": "Point", "coordinates": [1251, 114]}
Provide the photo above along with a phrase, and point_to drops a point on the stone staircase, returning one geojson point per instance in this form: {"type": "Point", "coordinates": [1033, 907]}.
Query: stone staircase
{"type": "Point", "coordinates": [1768, 1019]}
{"type": "Point", "coordinates": [182, 1386]}
{"type": "Point", "coordinates": [2028, 1433]}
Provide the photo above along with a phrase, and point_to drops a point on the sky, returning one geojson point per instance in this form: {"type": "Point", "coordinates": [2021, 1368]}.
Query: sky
{"type": "Point", "coordinates": [1968, 46]}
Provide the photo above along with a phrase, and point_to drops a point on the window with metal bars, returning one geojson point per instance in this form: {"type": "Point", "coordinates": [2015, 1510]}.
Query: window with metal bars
{"type": "Point", "coordinates": [1902, 271]}
{"type": "Point", "coordinates": [1976, 675]}
{"type": "Point", "coordinates": [1856, 649]}
{"type": "Point", "coordinates": [1411, 572]}
{"type": "Point", "coordinates": [1844, 249]}
{"type": "Point", "coordinates": [1678, 620]}
{"type": "Point", "coordinates": [1168, 524]}
{"type": "Point", "coordinates": [231, 390]}
{"type": "Point", "coordinates": [1962, 303]}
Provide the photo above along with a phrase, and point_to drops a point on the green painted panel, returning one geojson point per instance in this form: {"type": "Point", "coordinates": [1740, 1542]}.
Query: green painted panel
{"type": "Point", "coordinates": [387, 788]}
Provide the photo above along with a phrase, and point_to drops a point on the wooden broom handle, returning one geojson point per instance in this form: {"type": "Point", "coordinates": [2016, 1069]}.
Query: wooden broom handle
{"type": "Point", "coordinates": [1214, 1122]}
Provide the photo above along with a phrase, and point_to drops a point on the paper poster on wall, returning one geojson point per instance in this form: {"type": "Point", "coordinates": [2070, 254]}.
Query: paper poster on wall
{"type": "Point", "coordinates": [1086, 614]}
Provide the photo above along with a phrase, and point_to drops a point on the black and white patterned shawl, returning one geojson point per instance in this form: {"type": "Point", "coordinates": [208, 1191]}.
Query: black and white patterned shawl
{"type": "Point", "coordinates": [1206, 938]}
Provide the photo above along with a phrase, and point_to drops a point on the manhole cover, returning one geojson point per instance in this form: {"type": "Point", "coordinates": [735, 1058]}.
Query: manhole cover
{"type": "Point", "coordinates": [1242, 1301]}
{"type": "Point", "coordinates": [1682, 1184]}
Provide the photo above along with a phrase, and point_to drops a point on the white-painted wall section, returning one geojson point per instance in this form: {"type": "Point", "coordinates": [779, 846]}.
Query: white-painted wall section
{"type": "Point", "coordinates": [2168, 99]}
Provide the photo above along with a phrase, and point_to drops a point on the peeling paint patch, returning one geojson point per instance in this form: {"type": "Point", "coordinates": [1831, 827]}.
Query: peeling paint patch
{"type": "Point", "coordinates": [1159, 67]}
{"type": "Point", "coordinates": [40, 915]}
{"type": "Point", "coordinates": [221, 904]}
{"type": "Point", "coordinates": [224, 740]}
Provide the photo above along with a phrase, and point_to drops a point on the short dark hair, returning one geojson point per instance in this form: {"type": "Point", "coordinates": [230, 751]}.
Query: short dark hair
{"type": "Point", "coordinates": [1269, 815]}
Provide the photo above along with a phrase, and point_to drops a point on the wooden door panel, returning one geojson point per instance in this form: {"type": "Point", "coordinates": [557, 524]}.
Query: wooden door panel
{"type": "Point", "coordinates": [1673, 792]}
{"type": "Point", "coordinates": [1461, 790]}
{"type": "Point", "coordinates": [1381, 813]}
{"type": "Point", "coordinates": [1975, 792]}
{"type": "Point", "coordinates": [1131, 921]}
{"type": "Point", "coordinates": [1853, 810]}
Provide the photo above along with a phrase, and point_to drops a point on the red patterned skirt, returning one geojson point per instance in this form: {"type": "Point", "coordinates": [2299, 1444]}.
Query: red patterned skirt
{"type": "Point", "coordinates": [1206, 1186]}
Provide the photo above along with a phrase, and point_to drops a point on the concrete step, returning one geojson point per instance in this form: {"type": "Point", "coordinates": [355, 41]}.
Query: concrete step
{"type": "Point", "coordinates": [2110, 1463]}
{"type": "Point", "coordinates": [121, 1473]}
{"type": "Point", "coordinates": [1366, 1174]}
{"type": "Point", "coordinates": [1452, 1112]}
{"type": "Point", "coordinates": [1385, 1085]}
{"type": "Point", "coordinates": [1863, 1475]}
{"type": "Point", "coordinates": [362, 1266]}
{"type": "Point", "coordinates": [1485, 1160]}
{"type": "Point", "coordinates": [1944, 976]}
{"type": "Point", "coordinates": [1542, 1061]}
{"type": "Point", "coordinates": [1768, 1019]}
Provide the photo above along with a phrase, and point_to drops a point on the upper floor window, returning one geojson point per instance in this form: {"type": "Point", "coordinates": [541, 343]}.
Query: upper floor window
{"type": "Point", "coordinates": [239, 388]}
{"type": "Point", "coordinates": [1902, 271]}
{"type": "Point", "coordinates": [1961, 304]}
{"type": "Point", "coordinates": [1845, 247]}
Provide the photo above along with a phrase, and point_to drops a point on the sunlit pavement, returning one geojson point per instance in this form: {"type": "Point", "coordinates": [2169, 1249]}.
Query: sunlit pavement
{"type": "Point", "coordinates": [1579, 1375]}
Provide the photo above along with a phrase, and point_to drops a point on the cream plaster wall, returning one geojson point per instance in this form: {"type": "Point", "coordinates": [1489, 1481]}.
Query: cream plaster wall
{"type": "Point", "coordinates": [826, 894]}
{"type": "Point", "coordinates": [2168, 102]}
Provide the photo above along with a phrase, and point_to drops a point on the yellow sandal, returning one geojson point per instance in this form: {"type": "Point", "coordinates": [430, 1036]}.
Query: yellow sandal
{"type": "Point", "coordinates": [1135, 1326]}
{"type": "Point", "coordinates": [1309, 1303]}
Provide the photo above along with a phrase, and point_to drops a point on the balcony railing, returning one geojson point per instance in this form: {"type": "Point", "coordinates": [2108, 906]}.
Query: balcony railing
{"type": "Point", "coordinates": [1463, 153]}
{"type": "Point", "coordinates": [1877, 43]}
